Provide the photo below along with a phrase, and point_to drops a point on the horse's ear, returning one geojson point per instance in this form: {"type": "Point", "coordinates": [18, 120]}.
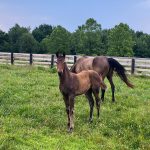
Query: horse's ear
{"type": "Point", "coordinates": [57, 54]}
{"type": "Point", "coordinates": [64, 54]}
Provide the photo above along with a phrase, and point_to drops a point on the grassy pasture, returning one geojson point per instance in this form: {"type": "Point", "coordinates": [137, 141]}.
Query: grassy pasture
{"type": "Point", "coordinates": [32, 114]}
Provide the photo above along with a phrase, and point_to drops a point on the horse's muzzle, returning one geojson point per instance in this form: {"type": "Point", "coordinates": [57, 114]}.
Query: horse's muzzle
{"type": "Point", "coordinates": [60, 73]}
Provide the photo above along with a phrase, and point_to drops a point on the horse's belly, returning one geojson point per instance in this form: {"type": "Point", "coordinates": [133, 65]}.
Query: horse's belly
{"type": "Point", "coordinates": [83, 88]}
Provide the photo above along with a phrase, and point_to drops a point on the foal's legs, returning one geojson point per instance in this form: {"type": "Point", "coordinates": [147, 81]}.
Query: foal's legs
{"type": "Point", "coordinates": [66, 100]}
{"type": "Point", "coordinates": [98, 100]}
{"type": "Point", "coordinates": [71, 111]}
{"type": "Point", "coordinates": [91, 103]}
{"type": "Point", "coordinates": [112, 87]}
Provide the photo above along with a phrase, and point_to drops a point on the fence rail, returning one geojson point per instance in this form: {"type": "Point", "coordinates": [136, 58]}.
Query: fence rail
{"type": "Point", "coordinates": [139, 66]}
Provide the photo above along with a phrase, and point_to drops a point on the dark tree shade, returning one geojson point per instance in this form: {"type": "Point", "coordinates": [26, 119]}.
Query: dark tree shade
{"type": "Point", "coordinates": [27, 43]}
{"type": "Point", "coordinates": [4, 42]}
{"type": "Point", "coordinates": [142, 45]}
{"type": "Point", "coordinates": [42, 32]}
{"type": "Point", "coordinates": [58, 40]}
{"type": "Point", "coordinates": [14, 35]}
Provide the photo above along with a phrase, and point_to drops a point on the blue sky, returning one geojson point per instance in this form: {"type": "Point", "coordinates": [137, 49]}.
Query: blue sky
{"type": "Point", "coordinates": [71, 13]}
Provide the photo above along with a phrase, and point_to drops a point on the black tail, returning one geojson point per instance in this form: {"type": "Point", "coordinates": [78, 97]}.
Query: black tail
{"type": "Point", "coordinates": [116, 66]}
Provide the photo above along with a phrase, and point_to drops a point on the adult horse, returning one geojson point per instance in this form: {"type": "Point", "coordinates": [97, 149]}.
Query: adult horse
{"type": "Point", "coordinates": [103, 66]}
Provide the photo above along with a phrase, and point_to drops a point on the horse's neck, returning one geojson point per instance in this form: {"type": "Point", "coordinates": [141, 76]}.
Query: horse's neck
{"type": "Point", "coordinates": [65, 78]}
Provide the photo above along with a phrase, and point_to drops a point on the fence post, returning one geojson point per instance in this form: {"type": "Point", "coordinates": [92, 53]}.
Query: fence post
{"type": "Point", "coordinates": [12, 58]}
{"type": "Point", "coordinates": [132, 66]}
{"type": "Point", "coordinates": [75, 59]}
{"type": "Point", "coordinates": [31, 58]}
{"type": "Point", "coordinates": [52, 61]}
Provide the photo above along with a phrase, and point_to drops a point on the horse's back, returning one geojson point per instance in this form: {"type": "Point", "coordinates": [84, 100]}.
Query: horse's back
{"type": "Point", "coordinates": [83, 63]}
{"type": "Point", "coordinates": [84, 83]}
{"type": "Point", "coordinates": [90, 77]}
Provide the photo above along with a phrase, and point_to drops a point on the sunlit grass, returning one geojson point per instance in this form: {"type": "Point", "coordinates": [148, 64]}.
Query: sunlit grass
{"type": "Point", "coordinates": [32, 114]}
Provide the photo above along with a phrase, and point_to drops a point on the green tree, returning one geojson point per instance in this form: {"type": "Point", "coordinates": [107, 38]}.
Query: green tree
{"type": "Point", "coordinates": [87, 38]}
{"type": "Point", "coordinates": [42, 32]}
{"type": "Point", "coordinates": [14, 35]}
{"type": "Point", "coordinates": [27, 43]}
{"type": "Point", "coordinates": [4, 42]}
{"type": "Point", "coordinates": [58, 40]}
{"type": "Point", "coordinates": [104, 47]}
{"type": "Point", "coordinates": [120, 41]}
{"type": "Point", "coordinates": [44, 46]}
{"type": "Point", "coordinates": [142, 46]}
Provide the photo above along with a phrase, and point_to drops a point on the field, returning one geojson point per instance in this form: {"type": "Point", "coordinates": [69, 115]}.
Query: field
{"type": "Point", "coordinates": [32, 114]}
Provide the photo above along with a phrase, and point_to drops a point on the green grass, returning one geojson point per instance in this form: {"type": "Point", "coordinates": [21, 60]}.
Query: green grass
{"type": "Point", "coordinates": [32, 114]}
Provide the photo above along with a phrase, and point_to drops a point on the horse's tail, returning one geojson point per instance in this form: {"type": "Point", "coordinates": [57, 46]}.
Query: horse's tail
{"type": "Point", "coordinates": [116, 66]}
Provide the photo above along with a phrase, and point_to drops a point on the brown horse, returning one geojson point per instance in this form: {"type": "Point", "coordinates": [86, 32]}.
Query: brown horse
{"type": "Point", "coordinates": [71, 85]}
{"type": "Point", "coordinates": [103, 66]}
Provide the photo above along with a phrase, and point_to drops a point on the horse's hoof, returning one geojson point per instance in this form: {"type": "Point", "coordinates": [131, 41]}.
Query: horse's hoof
{"type": "Point", "coordinates": [90, 120]}
{"type": "Point", "coordinates": [98, 120]}
{"type": "Point", "coordinates": [70, 130]}
{"type": "Point", "coordinates": [102, 100]}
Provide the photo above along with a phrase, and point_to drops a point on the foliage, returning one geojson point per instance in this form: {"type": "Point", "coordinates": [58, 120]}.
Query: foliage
{"type": "Point", "coordinates": [32, 114]}
{"type": "Point", "coordinates": [44, 46]}
{"type": "Point", "coordinates": [14, 35]}
{"type": "Point", "coordinates": [53, 70]}
{"type": "Point", "coordinates": [4, 41]}
{"type": "Point", "coordinates": [42, 32]}
{"type": "Point", "coordinates": [58, 41]}
{"type": "Point", "coordinates": [88, 39]}
{"type": "Point", "coordinates": [120, 41]}
{"type": "Point", "coordinates": [142, 46]}
{"type": "Point", "coordinates": [27, 43]}
{"type": "Point", "coordinates": [104, 47]}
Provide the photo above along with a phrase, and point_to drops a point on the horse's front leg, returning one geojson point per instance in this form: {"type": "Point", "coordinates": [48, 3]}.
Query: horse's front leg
{"type": "Point", "coordinates": [71, 112]}
{"type": "Point", "coordinates": [66, 100]}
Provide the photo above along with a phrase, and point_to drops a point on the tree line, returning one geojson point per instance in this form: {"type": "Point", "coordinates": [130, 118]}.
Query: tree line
{"type": "Point", "coordinates": [88, 39]}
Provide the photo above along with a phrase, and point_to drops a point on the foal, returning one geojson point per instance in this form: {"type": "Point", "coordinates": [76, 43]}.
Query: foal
{"type": "Point", "coordinates": [71, 85]}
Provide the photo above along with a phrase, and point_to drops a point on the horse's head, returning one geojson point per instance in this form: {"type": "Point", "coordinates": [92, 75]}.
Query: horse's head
{"type": "Point", "coordinates": [60, 63]}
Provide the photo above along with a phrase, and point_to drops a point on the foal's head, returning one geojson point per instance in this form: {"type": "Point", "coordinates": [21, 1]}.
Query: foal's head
{"type": "Point", "coordinates": [60, 63]}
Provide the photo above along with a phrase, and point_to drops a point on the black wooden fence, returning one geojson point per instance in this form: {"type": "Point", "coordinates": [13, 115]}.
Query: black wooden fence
{"type": "Point", "coordinates": [132, 65]}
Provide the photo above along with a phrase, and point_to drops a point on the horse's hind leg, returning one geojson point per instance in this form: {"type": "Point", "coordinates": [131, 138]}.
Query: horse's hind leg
{"type": "Point", "coordinates": [102, 94]}
{"type": "Point", "coordinates": [88, 94]}
{"type": "Point", "coordinates": [98, 100]}
{"type": "Point", "coordinates": [102, 91]}
{"type": "Point", "coordinates": [112, 87]}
